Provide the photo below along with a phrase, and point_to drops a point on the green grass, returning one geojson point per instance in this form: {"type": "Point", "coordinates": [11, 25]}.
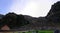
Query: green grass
{"type": "Point", "coordinates": [39, 31]}
{"type": "Point", "coordinates": [45, 31]}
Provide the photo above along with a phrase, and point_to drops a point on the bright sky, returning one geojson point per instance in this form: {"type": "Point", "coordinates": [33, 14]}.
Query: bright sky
{"type": "Point", "coordinates": [33, 8]}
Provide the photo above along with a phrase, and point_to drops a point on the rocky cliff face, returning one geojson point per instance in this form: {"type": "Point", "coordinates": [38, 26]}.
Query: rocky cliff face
{"type": "Point", "coordinates": [55, 9]}
{"type": "Point", "coordinates": [54, 13]}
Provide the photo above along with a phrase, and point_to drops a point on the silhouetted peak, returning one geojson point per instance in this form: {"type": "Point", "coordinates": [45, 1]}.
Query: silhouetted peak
{"type": "Point", "coordinates": [58, 2]}
{"type": "Point", "coordinates": [11, 13]}
{"type": "Point", "coordinates": [54, 13]}
{"type": "Point", "coordinates": [56, 6]}
{"type": "Point", "coordinates": [54, 9]}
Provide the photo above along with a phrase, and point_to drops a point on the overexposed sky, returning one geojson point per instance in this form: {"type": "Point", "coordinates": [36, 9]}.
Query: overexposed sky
{"type": "Point", "coordinates": [33, 8]}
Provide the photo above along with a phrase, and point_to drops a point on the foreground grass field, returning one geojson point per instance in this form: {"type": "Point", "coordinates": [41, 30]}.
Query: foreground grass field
{"type": "Point", "coordinates": [34, 31]}
{"type": "Point", "coordinates": [45, 31]}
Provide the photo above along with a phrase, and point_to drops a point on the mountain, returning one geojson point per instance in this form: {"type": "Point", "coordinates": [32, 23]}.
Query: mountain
{"type": "Point", "coordinates": [55, 9]}
{"type": "Point", "coordinates": [1, 16]}
{"type": "Point", "coordinates": [30, 18]}
{"type": "Point", "coordinates": [13, 20]}
{"type": "Point", "coordinates": [26, 22]}
{"type": "Point", "coordinates": [53, 15]}
{"type": "Point", "coordinates": [51, 21]}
